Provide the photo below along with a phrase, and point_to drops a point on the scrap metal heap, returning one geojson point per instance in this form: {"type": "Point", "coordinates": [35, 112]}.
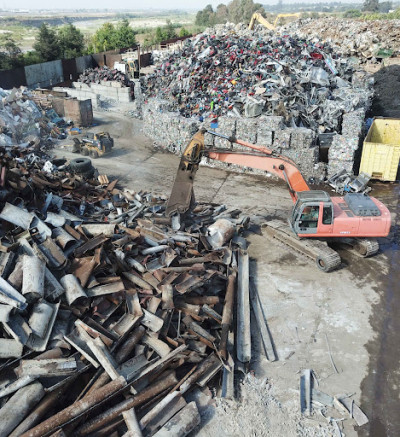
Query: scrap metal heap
{"type": "Point", "coordinates": [23, 123]}
{"type": "Point", "coordinates": [99, 74]}
{"type": "Point", "coordinates": [231, 70]}
{"type": "Point", "coordinates": [110, 314]}
{"type": "Point", "coordinates": [365, 39]}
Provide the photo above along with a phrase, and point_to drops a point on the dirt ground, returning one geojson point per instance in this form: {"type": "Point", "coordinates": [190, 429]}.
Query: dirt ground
{"type": "Point", "coordinates": [387, 92]}
{"type": "Point", "coordinates": [343, 320]}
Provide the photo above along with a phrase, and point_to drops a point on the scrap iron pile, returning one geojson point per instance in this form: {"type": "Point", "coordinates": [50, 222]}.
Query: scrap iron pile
{"type": "Point", "coordinates": [362, 39]}
{"type": "Point", "coordinates": [22, 122]}
{"type": "Point", "coordinates": [231, 70]}
{"type": "Point", "coordinates": [109, 313]}
{"type": "Point", "coordinates": [106, 74]}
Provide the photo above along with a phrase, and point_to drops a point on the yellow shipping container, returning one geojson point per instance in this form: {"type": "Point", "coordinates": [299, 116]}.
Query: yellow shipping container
{"type": "Point", "coordinates": [381, 150]}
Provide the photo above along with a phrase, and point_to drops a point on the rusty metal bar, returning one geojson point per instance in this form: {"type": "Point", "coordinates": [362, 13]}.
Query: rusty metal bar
{"type": "Point", "coordinates": [227, 314]}
{"type": "Point", "coordinates": [76, 409]}
{"type": "Point", "coordinates": [182, 423]}
{"type": "Point", "coordinates": [102, 419]}
{"type": "Point", "coordinates": [41, 409]}
{"type": "Point", "coordinates": [243, 335]}
{"type": "Point", "coordinates": [18, 406]}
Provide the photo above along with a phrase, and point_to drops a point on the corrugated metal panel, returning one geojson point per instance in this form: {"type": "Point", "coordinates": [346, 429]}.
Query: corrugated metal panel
{"type": "Point", "coordinates": [12, 78]}
{"type": "Point", "coordinates": [45, 74]}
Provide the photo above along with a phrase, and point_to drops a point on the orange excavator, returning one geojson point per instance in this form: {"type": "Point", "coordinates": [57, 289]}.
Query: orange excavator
{"type": "Point", "coordinates": [316, 218]}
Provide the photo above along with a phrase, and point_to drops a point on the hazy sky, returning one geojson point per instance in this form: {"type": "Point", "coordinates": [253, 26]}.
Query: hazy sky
{"type": "Point", "coordinates": [117, 4]}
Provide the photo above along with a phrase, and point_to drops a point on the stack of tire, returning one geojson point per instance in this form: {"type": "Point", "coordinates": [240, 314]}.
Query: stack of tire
{"type": "Point", "coordinates": [82, 167]}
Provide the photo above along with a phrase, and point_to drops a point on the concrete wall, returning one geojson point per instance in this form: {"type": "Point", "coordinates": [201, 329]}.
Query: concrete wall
{"type": "Point", "coordinates": [95, 92]}
{"type": "Point", "coordinates": [45, 74]}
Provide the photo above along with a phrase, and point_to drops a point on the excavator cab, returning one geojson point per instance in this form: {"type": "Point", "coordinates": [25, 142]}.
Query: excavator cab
{"type": "Point", "coordinates": [312, 212]}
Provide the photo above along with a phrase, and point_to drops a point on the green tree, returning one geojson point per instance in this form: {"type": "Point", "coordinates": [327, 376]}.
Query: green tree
{"type": "Point", "coordinates": [371, 6]}
{"type": "Point", "coordinates": [242, 10]}
{"type": "Point", "coordinates": [236, 11]}
{"type": "Point", "coordinates": [124, 35]}
{"type": "Point", "coordinates": [31, 57]}
{"type": "Point", "coordinates": [104, 38]}
{"type": "Point", "coordinates": [385, 7]}
{"type": "Point", "coordinates": [205, 17]}
{"type": "Point", "coordinates": [71, 41]}
{"type": "Point", "coordinates": [221, 14]}
{"type": "Point", "coordinates": [352, 13]}
{"type": "Point", "coordinates": [159, 36]}
{"type": "Point", "coordinates": [169, 30]}
{"type": "Point", "coordinates": [47, 44]}
{"type": "Point", "coordinates": [10, 54]}
{"type": "Point", "coordinates": [184, 32]}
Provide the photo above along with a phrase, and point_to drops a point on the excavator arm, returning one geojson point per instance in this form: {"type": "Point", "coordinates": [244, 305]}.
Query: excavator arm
{"type": "Point", "coordinates": [258, 17]}
{"type": "Point", "coordinates": [182, 195]}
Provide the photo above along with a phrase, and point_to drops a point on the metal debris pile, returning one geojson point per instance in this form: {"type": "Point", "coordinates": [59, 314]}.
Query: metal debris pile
{"type": "Point", "coordinates": [23, 123]}
{"type": "Point", "coordinates": [231, 70]}
{"type": "Point", "coordinates": [364, 40]}
{"type": "Point", "coordinates": [344, 182]}
{"type": "Point", "coordinates": [110, 312]}
{"type": "Point", "coordinates": [105, 74]}
{"type": "Point", "coordinates": [312, 399]}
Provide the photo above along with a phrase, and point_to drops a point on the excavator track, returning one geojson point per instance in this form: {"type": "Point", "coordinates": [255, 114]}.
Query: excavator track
{"type": "Point", "coordinates": [362, 247]}
{"type": "Point", "coordinates": [325, 257]}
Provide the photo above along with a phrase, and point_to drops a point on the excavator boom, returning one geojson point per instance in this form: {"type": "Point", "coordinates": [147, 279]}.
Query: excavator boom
{"type": "Point", "coordinates": [263, 159]}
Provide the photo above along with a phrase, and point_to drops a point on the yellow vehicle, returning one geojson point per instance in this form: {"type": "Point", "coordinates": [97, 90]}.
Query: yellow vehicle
{"type": "Point", "coordinates": [94, 144]}
{"type": "Point", "coordinates": [258, 17]}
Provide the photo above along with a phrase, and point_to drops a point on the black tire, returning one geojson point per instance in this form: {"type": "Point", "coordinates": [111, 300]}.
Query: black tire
{"type": "Point", "coordinates": [85, 151]}
{"type": "Point", "coordinates": [94, 154]}
{"type": "Point", "coordinates": [80, 165]}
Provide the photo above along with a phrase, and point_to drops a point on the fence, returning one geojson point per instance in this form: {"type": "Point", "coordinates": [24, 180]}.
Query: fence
{"type": "Point", "coordinates": [53, 73]}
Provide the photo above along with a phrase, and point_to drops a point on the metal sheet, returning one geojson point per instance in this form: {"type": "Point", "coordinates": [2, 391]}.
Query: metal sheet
{"type": "Point", "coordinates": [9, 295]}
{"type": "Point", "coordinates": [33, 277]}
{"type": "Point", "coordinates": [73, 289]}
{"type": "Point", "coordinates": [10, 348]}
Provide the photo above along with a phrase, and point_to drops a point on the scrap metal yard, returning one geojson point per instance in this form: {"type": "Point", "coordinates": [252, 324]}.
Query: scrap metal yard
{"type": "Point", "coordinates": [119, 317]}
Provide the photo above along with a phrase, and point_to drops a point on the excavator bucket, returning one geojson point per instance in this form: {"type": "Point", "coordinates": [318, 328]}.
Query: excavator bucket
{"type": "Point", "coordinates": [182, 194]}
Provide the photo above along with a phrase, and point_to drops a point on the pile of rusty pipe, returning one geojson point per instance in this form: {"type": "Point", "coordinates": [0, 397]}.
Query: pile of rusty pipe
{"type": "Point", "coordinates": [123, 352]}
{"type": "Point", "coordinates": [133, 402]}
{"type": "Point", "coordinates": [41, 409]}
{"type": "Point", "coordinates": [76, 409]}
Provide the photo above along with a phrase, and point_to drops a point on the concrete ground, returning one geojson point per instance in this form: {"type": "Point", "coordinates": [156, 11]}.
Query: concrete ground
{"type": "Point", "coordinates": [343, 325]}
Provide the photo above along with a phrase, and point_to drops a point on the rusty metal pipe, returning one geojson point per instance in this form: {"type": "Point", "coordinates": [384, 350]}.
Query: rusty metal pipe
{"type": "Point", "coordinates": [18, 406]}
{"type": "Point", "coordinates": [41, 409]}
{"type": "Point", "coordinates": [76, 409]}
{"type": "Point", "coordinates": [102, 379]}
{"type": "Point", "coordinates": [203, 367]}
{"type": "Point", "coordinates": [124, 351]}
{"type": "Point", "coordinates": [127, 347]}
{"type": "Point", "coordinates": [227, 315]}
{"type": "Point", "coordinates": [133, 402]}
